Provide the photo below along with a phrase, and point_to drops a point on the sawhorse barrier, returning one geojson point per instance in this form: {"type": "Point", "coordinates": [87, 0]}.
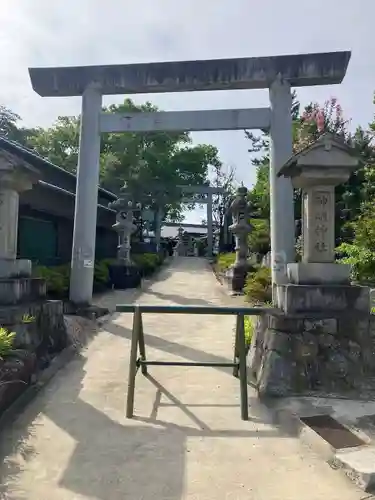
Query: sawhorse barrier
{"type": "Point", "coordinates": [138, 345]}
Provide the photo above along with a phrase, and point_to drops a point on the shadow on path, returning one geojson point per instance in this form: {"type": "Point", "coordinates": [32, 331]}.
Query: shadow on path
{"type": "Point", "coordinates": [162, 344]}
{"type": "Point", "coordinates": [113, 458]}
{"type": "Point", "coordinates": [178, 299]}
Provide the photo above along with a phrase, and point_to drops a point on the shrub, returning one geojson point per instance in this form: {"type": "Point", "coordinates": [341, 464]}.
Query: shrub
{"type": "Point", "coordinates": [258, 286]}
{"type": "Point", "coordinates": [101, 274]}
{"type": "Point", "coordinates": [361, 259]}
{"type": "Point", "coordinates": [57, 278]}
{"type": "Point", "coordinates": [27, 319]}
{"type": "Point", "coordinates": [225, 261]}
{"type": "Point", "coordinates": [6, 342]}
{"type": "Point", "coordinates": [147, 262]}
{"type": "Point", "coordinates": [249, 329]}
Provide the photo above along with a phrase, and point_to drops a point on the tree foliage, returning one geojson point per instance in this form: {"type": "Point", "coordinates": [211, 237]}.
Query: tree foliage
{"type": "Point", "coordinates": [358, 249]}
{"type": "Point", "coordinates": [133, 158]}
{"type": "Point", "coordinates": [224, 178]}
{"type": "Point", "coordinates": [10, 128]}
{"type": "Point", "coordinates": [308, 126]}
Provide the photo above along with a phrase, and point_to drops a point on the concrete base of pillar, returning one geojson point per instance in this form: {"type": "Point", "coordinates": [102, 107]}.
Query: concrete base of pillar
{"type": "Point", "coordinates": [19, 268]}
{"type": "Point", "coordinates": [313, 354]}
{"type": "Point", "coordinates": [302, 273]}
{"type": "Point", "coordinates": [302, 299]}
{"type": "Point", "coordinates": [320, 339]}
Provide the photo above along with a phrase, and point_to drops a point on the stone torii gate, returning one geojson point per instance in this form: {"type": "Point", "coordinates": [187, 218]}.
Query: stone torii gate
{"type": "Point", "coordinates": [208, 191]}
{"type": "Point", "coordinates": [278, 74]}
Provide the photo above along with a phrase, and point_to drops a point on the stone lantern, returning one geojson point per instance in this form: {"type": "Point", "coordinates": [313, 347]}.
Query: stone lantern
{"type": "Point", "coordinates": [240, 210]}
{"type": "Point", "coordinates": [16, 281]}
{"type": "Point", "coordinates": [317, 170]}
{"type": "Point", "coordinates": [14, 179]}
{"type": "Point", "coordinates": [124, 273]}
{"type": "Point", "coordinates": [180, 247]}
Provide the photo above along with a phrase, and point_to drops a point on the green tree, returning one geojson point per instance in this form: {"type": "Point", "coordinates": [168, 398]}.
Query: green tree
{"type": "Point", "coordinates": [358, 248]}
{"type": "Point", "coordinates": [135, 158]}
{"type": "Point", "coordinates": [10, 129]}
{"type": "Point", "coordinates": [308, 126]}
{"type": "Point", "coordinates": [8, 122]}
{"type": "Point", "coordinates": [222, 177]}
{"type": "Point", "coordinates": [59, 143]}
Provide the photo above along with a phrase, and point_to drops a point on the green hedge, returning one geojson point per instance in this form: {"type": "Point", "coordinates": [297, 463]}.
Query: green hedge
{"type": "Point", "coordinates": [58, 277]}
{"type": "Point", "coordinates": [147, 262]}
{"type": "Point", "coordinates": [225, 261]}
{"type": "Point", "coordinates": [258, 285]}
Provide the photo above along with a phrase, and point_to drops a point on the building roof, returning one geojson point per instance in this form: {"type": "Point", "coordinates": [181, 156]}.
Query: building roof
{"type": "Point", "coordinates": [50, 173]}
{"type": "Point", "coordinates": [300, 70]}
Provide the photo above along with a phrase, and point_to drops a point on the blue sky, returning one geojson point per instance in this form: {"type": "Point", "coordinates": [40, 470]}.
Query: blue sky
{"type": "Point", "coordinates": [71, 32]}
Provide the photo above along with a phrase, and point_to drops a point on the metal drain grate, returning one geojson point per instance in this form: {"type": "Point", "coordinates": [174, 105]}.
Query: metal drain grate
{"type": "Point", "coordinates": [332, 431]}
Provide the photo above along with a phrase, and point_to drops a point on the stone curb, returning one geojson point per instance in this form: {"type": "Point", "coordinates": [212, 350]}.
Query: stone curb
{"type": "Point", "coordinates": [357, 463]}
{"type": "Point", "coordinates": [18, 406]}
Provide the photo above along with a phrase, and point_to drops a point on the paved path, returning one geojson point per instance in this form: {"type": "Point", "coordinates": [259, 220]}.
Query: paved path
{"type": "Point", "coordinates": [187, 441]}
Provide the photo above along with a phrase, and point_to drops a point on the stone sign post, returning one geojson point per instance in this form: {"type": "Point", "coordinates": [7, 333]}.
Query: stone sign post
{"type": "Point", "coordinates": [240, 210]}
{"type": "Point", "coordinates": [320, 336]}
{"type": "Point", "coordinates": [317, 170]}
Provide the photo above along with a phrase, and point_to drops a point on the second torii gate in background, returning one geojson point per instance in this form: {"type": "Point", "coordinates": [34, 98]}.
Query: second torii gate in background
{"type": "Point", "coordinates": [208, 191]}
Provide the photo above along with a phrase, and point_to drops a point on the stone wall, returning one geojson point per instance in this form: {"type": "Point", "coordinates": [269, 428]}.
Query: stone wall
{"type": "Point", "coordinates": [37, 342]}
{"type": "Point", "coordinates": [295, 354]}
{"type": "Point", "coordinates": [46, 335]}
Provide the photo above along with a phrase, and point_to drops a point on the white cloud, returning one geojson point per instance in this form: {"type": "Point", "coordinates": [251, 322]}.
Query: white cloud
{"type": "Point", "coordinates": [76, 32]}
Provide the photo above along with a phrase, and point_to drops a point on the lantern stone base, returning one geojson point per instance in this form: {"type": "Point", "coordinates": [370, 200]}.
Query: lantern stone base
{"type": "Point", "coordinates": [237, 276]}
{"type": "Point", "coordinates": [123, 277]}
{"type": "Point", "coordinates": [302, 273]}
{"type": "Point", "coordinates": [320, 340]}
{"type": "Point", "coordinates": [15, 268]}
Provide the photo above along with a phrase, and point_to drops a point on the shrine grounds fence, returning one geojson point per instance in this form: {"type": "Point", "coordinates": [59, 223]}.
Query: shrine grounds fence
{"type": "Point", "coordinates": [138, 357]}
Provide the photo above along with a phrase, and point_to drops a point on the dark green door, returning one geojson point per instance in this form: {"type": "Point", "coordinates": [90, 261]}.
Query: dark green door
{"type": "Point", "coordinates": [37, 240]}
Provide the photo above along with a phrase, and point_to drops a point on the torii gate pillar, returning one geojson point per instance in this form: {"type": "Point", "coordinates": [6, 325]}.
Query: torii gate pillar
{"type": "Point", "coordinates": [210, 229]}
{"type": "Point", "coordinates": [281, 193]}
{"type": "Point", "coordinates": [84, 234]}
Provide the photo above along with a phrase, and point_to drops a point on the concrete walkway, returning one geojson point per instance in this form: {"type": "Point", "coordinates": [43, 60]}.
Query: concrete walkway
{"type": "Point", "coordinates": [187, 440]}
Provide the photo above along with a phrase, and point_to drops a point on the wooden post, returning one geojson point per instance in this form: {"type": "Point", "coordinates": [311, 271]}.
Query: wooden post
{"type": "Point", "coordinates": [235, 356]}
{"type": "Point", "coordinates": [243, 370]}
{"type": "Point", "coordinates": [133, 362]}
{"type": "Point", "coordinates": [142, 347]}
